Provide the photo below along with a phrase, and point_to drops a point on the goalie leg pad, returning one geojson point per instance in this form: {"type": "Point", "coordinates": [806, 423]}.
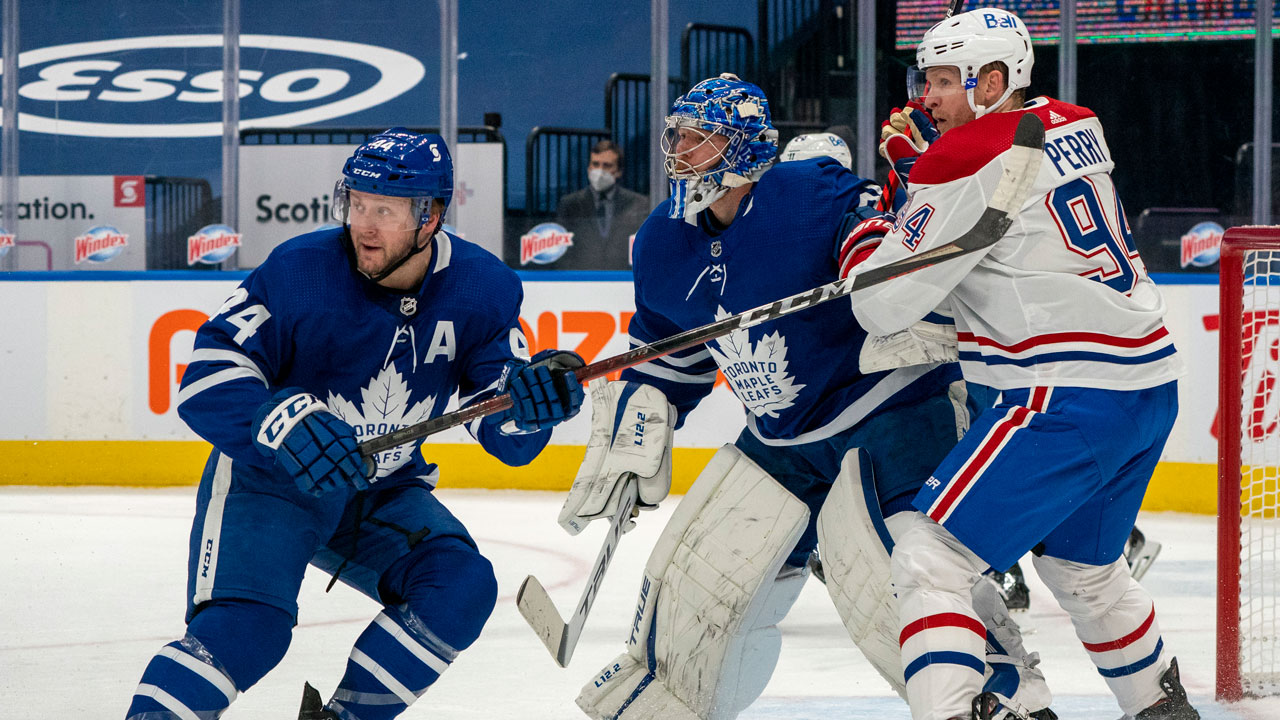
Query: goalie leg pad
{"type": "Point", "coordinates": [855, 544]}
{"type": "Point", "coordinates": [714, 585]}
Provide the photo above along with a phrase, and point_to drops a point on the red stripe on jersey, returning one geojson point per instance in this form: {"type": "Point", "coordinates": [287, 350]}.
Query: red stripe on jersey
{"type": "Point", "coordinates": [965, 150]}
{"type": "Point", "coordinates": [1019, 417]}
{"type": "Point", "coordinates": [1052, 338]}
{"type": "Point", "coordinates": [942, 620]}
{"type": "Point", "coordinates": [1127, 640]}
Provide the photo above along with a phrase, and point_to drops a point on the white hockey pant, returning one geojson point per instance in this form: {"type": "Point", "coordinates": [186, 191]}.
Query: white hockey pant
{"type": "Point", "coordinates": [1115, 619]}
{"type": "Point", "coordinates": [704, 641]}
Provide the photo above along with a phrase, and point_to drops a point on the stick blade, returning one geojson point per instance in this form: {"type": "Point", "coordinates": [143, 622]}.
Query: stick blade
{"type": "Point", "coordinates": [541, 614]}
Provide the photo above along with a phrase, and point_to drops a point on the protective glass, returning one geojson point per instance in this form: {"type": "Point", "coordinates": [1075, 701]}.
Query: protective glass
{"type": "Point", "coordinates": [946, 83]}
{"type": "Point", "coordinates": [698, 156]}
{"type": "Point", "coordinates": [381, 212]}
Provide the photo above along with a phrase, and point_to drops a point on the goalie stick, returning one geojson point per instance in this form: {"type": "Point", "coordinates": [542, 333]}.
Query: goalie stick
{"type": "Point", "coordinates": [540, 612]}
{"type": "Point", "coordinates": [1020, 170]}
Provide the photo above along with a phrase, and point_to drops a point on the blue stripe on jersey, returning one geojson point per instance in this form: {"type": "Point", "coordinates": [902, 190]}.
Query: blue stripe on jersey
{"type": "Point", "coordinates": [967, 356]}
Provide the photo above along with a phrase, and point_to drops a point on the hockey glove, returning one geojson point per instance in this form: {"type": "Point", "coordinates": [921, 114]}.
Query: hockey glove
{"type": "Point", "coordinates": [631, 430]}
{"type": "Point", "coordinates": [862, 240]}
{"type": "Point", "coordinates": [921, 344]}
{"type": "Point", "coordinates": [904, 137]}
{"type": "Point", "coordinates": [317, 448]}
{"type": "Point", "coordinates": [544, 391]}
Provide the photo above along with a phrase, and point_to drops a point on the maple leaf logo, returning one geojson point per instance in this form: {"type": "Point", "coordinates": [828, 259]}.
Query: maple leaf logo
{"type": "Point", "coordinates": [384, 407]}
{"type": "Point", "coordinates": [757, 374]}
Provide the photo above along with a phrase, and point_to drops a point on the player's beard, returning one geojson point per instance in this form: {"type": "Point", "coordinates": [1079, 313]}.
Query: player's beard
{"type": "Point", "coordinates": [376, 252]}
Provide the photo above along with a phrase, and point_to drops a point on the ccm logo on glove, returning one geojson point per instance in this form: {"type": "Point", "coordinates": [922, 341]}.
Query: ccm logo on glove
{"type": "Point", "coordinates": [281, 420]}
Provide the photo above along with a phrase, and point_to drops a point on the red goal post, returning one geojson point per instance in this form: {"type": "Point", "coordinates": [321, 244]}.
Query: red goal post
{"type": "Point", "coordinates": [1248, 642]}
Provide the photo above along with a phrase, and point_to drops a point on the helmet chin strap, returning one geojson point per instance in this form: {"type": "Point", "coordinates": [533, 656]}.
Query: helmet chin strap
{"type": "Point", "coordinates": [413, 250]}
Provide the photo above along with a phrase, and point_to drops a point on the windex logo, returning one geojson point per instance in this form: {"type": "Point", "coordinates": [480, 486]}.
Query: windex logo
{"type": "Point", "coordinates": [129, 87]}
{"type": "Point", "coordinates": [6, 242]}
{"type": "Point", "coordinates": [544, 243]}
{"type": "Point", "coordinates": [212, 244]}
{"type": "Point", "coordinates": [100, 244]}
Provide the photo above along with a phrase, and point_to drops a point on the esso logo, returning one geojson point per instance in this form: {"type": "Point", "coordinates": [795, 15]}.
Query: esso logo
{"type": "Point", "coordinates": [147, 86]}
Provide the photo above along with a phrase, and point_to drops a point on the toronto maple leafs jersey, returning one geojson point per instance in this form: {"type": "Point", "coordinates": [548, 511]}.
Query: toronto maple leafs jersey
{"type": "Point", "coordinates": [798, 375]}
{"type": "Point", "coordinates": [380, 359]}
{"type": "Point", "coordinates": [1062, 298]}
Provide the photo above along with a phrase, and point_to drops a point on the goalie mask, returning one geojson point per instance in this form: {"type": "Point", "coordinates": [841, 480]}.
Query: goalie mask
{"type": "Point", "coordinates": [719, 135]}
{"type": "Point", "coordinates": [390, 184]}
{"type": "Point", "coordinates": [970, 41]}
{"type": "Point", "coordinates": [803, 147]}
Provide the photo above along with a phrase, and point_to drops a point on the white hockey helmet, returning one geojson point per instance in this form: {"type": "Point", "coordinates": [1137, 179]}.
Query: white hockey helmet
{"type": "Point", "coordinates": [803, 147]}
{"type": "Point", "coordinates": [969, 41]}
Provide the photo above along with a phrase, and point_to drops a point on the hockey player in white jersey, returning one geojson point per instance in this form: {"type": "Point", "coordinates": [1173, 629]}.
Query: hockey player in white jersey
{"type": "Point", "coordinates": [341, 335]}
{"type": "Point", "coordinates": [1061, 317]}
{"type": "Point", "coordinates": [832, 454]}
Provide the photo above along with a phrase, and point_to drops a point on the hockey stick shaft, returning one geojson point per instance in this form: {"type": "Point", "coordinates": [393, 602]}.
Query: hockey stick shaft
{"type": "Point", "coordinates": [1020, 172]}
{"type": "Point", "coordinates": [539, 611]}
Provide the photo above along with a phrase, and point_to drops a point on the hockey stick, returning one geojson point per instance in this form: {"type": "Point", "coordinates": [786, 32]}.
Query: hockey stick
{"type": "Point", "coordinates": [1020, 172]}
{"type": "Point", "coordinates": [540, 612]}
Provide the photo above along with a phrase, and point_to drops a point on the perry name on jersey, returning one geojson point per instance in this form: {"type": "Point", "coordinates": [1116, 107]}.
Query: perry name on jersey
{"type": "Point", "coordinates": [1063, 298]}
{"type": "Point", "coordinates": [379, 359]}
{"type": "Point", "coordinates": [798, 375]}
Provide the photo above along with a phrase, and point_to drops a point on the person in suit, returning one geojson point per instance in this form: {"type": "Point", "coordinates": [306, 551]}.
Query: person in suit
{"type": "Point", "coordinates": [603, 217]}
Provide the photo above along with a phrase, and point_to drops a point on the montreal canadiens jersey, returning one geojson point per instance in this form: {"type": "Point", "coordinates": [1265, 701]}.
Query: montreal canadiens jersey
{"type": "Point", "coordinates": [798, 375]}
{"type": "Point", "coordinates": [1062, 298]}
{"type": "Point", "coordinates": [379, 359]}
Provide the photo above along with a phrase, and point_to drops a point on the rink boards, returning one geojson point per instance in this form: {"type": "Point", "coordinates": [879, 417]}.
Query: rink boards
{"type": "Point", "coordinates": [91, 371]}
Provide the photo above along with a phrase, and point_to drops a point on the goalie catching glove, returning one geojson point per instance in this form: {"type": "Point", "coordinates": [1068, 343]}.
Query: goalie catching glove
{"type": "Point", "coordinates": [631, 429]}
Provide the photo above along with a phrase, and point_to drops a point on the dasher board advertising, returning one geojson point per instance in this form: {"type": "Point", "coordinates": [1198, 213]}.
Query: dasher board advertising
{"type": "Point", "coordinates": [80, 222]}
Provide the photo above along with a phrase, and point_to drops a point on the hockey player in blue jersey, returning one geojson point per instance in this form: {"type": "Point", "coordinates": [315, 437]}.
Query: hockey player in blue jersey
{"type": "Point", "coordinates": [342, 335]}
{"type": "Point", "coordinates": [1060, 316]}
{"type": "Point", "coordinates": [831, 452]}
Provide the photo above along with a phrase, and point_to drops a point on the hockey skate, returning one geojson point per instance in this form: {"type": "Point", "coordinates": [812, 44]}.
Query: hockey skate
{"type": "Point", "coordinates": [1013, 588]}
{"type": "Point", "coordinates": [312, 706]}
{"type": "Point", "coordinates": [1140, 553]}
{"type": "Point", "coordinates": [1175, 705]}
{"type": "Point", "coordinates": [990, 706]}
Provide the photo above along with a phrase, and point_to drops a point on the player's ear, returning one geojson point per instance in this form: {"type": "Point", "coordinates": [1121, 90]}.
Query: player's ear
{"type": "Point", "coordinates": [995, 86]}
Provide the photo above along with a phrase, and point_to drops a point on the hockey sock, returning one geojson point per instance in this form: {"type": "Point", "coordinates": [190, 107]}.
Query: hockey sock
{"type": "Point", "coordinates": [448, 591]}
{"type": "Point", "coordinates": [228, 647]}
{"type": "Point", "coordinates": [1115, 619]}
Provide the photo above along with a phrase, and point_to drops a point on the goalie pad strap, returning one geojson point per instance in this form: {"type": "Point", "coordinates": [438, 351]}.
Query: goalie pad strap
{"type": "Point", "coordinates": [707, 581]}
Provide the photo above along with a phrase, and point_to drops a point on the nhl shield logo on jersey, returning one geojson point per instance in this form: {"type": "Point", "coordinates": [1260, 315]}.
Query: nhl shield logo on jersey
{"type": "Point", "coordinates": [408, 306]}
{"type": "Point", "coordinates": [385, 406]}
{"type": "Point", "coordinates": [756, 373]}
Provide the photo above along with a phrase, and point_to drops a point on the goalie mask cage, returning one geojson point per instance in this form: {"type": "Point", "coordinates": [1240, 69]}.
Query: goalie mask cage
{"type": "Point", "coordinates": [1249, 464]}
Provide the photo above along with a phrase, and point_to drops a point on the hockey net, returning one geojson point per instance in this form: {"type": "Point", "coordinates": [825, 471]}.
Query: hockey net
{"type": "Point", "coordinates": [1249, 464]}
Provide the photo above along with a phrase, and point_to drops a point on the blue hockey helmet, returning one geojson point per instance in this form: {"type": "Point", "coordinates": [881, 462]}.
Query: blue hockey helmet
{"type": "Point", "coordinates": [729, 107]}
{"type": "Point", "coordinates": [398, 163]}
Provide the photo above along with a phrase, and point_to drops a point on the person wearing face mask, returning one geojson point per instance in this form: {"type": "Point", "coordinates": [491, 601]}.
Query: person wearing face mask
{"type": "Point", "coordinates": [603, 217]}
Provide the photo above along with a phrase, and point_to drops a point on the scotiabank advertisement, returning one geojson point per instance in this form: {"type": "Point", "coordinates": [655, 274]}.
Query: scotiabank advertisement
{"type": "Point", "coordinates": [81, 222]}
{"type": "Point", "coordinates": [103, 360]}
